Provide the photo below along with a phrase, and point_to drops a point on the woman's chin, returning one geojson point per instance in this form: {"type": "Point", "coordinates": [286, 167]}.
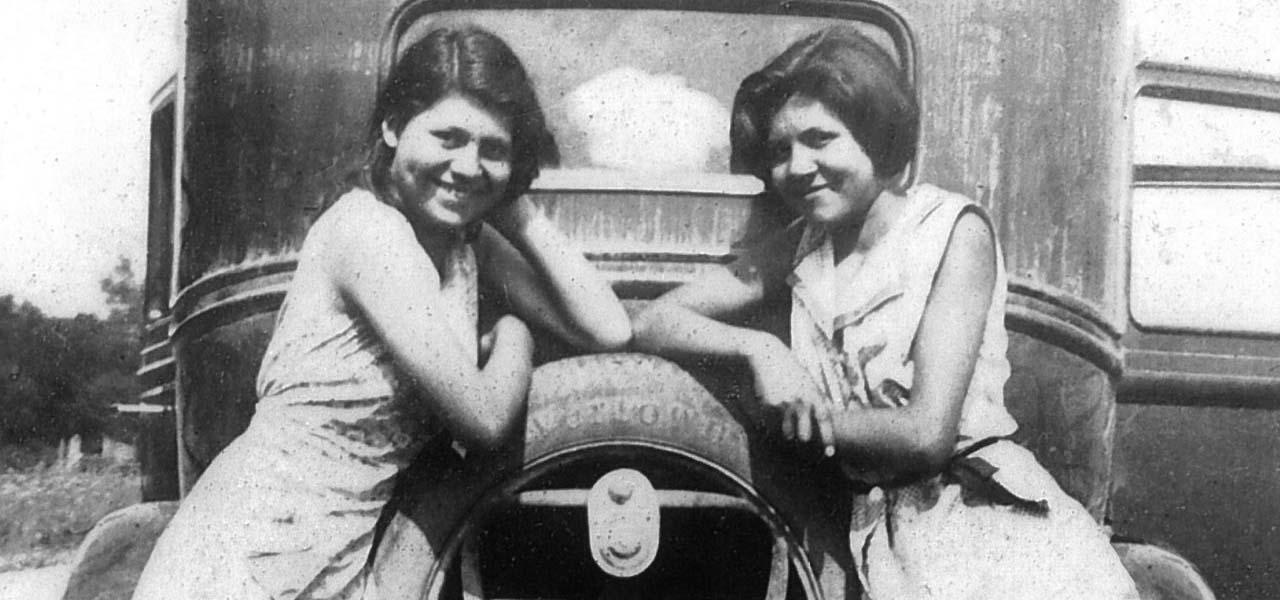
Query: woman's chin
{"type": "Point", "coordinates": [824, 218]}
{"type": "Point", "coordinates": [441, 217]}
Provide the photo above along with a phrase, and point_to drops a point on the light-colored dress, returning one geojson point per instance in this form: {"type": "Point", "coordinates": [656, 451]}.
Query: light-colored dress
{"type": "Point", "coordinates": [288, 509]}
{"type": "Point", "coordinates": [994, 524]}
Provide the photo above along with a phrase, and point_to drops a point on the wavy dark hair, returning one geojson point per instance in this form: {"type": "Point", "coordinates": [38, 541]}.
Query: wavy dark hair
{"type": "Point", "coordinates": [849, 74]}
{"type": "Point", "coordinates": [474, 63]}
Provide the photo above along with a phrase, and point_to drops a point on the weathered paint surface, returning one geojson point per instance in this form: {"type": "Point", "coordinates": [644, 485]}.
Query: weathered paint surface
{"type": "Point", "coordinates": [276, 103]}
{"type": "Point", "coordinates": [1065, 410]}
{"type": "Point", "coordinates": [1023, 106]}
{"type": "Point", "coordinates": [1204, 481]}
{"type": "Point", "coordinates": [217, 382]}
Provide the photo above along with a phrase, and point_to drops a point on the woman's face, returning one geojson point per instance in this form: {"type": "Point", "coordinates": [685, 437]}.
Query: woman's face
{"type": "Point", "coordinates": [817, 166]}
{"type": "Point", "coordinates": [451, 164]}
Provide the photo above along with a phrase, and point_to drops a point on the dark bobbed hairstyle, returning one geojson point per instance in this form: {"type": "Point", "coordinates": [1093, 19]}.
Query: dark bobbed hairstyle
{"type": "Point", "coordinates": [849, 74]}
{"type": "Point", "coordinates": [475, 64]}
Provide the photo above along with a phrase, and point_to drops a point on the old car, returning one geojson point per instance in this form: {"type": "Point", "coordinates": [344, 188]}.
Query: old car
{"type": "Point", "coordinates": [640, 477]}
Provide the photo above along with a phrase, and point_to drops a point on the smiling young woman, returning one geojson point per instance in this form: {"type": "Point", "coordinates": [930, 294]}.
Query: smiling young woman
{"type": "Point", "coordinates": [896, 362]}
{"type": "Point", "coordinates": [376, 356]}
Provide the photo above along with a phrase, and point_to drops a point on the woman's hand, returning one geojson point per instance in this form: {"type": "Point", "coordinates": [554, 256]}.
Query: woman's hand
{"type": "Point", "coordinates": [508, 331]}
{"type": "Point", "coordinates": [778, 377]}
{"type": "Point", "coordinates": [808, 423]}
{"type": "Point", "coordinates": [512, 218]}
{"type": "Point", "coordinates": [784, 387]}
{"type": "Point", "coordinates": [548, 281]}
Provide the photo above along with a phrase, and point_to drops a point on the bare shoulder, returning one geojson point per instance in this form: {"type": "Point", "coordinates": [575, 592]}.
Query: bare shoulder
{"type": "Point", "coordinates": [358, 217]}
{"type": "Point", "coordinates": [970, 256]}
{"type": "Point", "coordinates": [360, 234]}
{"type": "Point", "coordinates": [972, 236]}
{"type": "Point", "coordinates": [358, 227]}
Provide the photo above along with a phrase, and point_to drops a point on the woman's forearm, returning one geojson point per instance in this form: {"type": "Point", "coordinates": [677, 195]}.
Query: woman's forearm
{"type": "Point", "coordinates": [587, 303]}
{"type": "Point", "coordinates": [672, 330]}
{"type": "Point", "coordinates": [504, 381]}
{"type": "Point", "coordinates": [893, 441]}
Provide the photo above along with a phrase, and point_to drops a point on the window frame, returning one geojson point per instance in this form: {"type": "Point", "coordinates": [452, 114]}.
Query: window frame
{"type": "Point", "coordinates": [866, 11]}
{"type": "Point", "coordinates": [1201, 366]}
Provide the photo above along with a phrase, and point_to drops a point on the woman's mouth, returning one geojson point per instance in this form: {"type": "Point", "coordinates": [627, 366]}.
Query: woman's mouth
{"type": "Point", "coordinates": [810, 193]}
{"type": "Point", "coordinates": [457, 190]}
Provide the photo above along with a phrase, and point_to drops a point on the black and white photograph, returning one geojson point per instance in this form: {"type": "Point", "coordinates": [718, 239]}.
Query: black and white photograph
{"type": "Point", "coordinates": [640, 300]}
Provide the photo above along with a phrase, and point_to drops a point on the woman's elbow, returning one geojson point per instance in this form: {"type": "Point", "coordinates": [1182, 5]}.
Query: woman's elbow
{"type": "Point", "coordinates": [614, 336]}
{"type": "Point", "coordinates": [930, 452]}
{"type": "Point", "coordinates": [486, 436]}
{"type": "Point", "coordinates": [646, 322]}
{"type": "Point", "coordinates": [493, 426]}
{"type": "Point", "coordinates": [931, 459]}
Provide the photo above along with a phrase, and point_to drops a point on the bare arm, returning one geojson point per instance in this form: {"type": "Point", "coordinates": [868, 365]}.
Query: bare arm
{"type": "Point", "coordinates": [919, 438]}
{"type": "Point", "coordinates": [548, 281]}
{"type": "Point", "coordinates": [687, 321]}
{"type": "Point", "coordinates": [683, 322]}
{"type": "Point", "coordinates": [373, 259]}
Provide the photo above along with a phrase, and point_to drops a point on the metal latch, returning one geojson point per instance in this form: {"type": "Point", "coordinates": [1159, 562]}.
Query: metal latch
{"type": "Point", "coordinates": [622, 518]}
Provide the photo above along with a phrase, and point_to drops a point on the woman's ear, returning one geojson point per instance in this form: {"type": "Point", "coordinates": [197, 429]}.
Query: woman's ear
{"type": "Point", "coordinates": [899, 182]}
{"type": "Point", "coordinates": [389, 135]}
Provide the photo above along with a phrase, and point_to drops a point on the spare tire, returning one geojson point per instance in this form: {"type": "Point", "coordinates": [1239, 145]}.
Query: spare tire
{"type": "Point", "coordinates": [611, 398]}
{"type": "Point", "coordinates": [591, 414]}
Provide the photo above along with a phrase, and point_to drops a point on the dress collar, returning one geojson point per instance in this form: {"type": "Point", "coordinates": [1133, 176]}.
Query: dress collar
{"type": "Point", "coordinates": [837, 296]}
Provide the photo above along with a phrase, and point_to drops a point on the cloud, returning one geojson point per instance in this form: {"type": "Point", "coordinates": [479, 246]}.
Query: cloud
{"type": "Point", "coordinates": [637, 121]}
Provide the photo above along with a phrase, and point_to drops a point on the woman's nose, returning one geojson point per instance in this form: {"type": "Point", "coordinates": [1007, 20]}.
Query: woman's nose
{"type": "Point", "coordinates": [466, 161]}
{"type": "Point", "coordinates": [801, 162]}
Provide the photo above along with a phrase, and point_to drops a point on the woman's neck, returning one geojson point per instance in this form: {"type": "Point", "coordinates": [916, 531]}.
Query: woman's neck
{"type": "Point", "coordinates": [862, 235]}
{"type": "Point", "coordinates": [437, 243]}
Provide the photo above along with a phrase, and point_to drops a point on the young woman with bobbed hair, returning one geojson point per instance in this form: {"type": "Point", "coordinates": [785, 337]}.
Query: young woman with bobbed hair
{"type": "Point", "coordinates": [376, 353]}
{"type": "Point", "coordinates": [896, 363]}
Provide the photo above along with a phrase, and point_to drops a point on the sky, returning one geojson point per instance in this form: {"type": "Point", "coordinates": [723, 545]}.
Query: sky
{"type": "Point", "coordinates": [78, 76]}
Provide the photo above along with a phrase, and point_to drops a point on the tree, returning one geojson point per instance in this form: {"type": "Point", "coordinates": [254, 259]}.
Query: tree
{"type": "Point", "coordinates": [60, 377]}
{"type": "Point", "coordinates": [124, 295]}
{"type": "Point", "coordinates": [117, 348]}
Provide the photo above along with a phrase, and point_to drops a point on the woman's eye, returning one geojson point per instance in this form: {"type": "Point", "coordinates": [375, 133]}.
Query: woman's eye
{"type": "Point", "coordinates": [778, 152]}
{"type": "Point", "coordinates": [451, 138]}
{"type": "Point", "coordinates": [815, 138]}
{"type": "Point", "coordinates": [495, 150]}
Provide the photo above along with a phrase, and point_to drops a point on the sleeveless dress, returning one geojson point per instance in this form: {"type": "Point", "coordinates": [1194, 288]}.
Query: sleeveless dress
{"type": "Point", "coordinates": [289, 509]}
{"type": "Point", "coordinates": [994, 524]}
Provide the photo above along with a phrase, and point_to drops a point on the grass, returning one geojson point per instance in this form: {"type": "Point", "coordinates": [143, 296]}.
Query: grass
{"type": "Point", "coordinates": [45, 512]}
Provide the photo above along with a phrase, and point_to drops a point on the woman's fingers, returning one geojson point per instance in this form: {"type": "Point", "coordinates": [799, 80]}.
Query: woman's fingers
{"type": "Point", "coordinates": [804, 421]}
{"type": "Point", "coordinates": [807, 422]}
{"type": "Point", "coordinates": [788, 421]}
{"type": "Point", "coordinates": [822, 415]}
{"type": "Point", "coordinates": [510, 327]}
{"type": "Point", "coordinates": [486, 347]}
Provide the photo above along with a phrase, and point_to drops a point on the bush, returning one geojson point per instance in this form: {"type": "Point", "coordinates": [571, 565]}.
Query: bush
{"type": "Point", "coordinates": [45, 512]}
{"type": "Point", "coordinates": [26, 457]}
